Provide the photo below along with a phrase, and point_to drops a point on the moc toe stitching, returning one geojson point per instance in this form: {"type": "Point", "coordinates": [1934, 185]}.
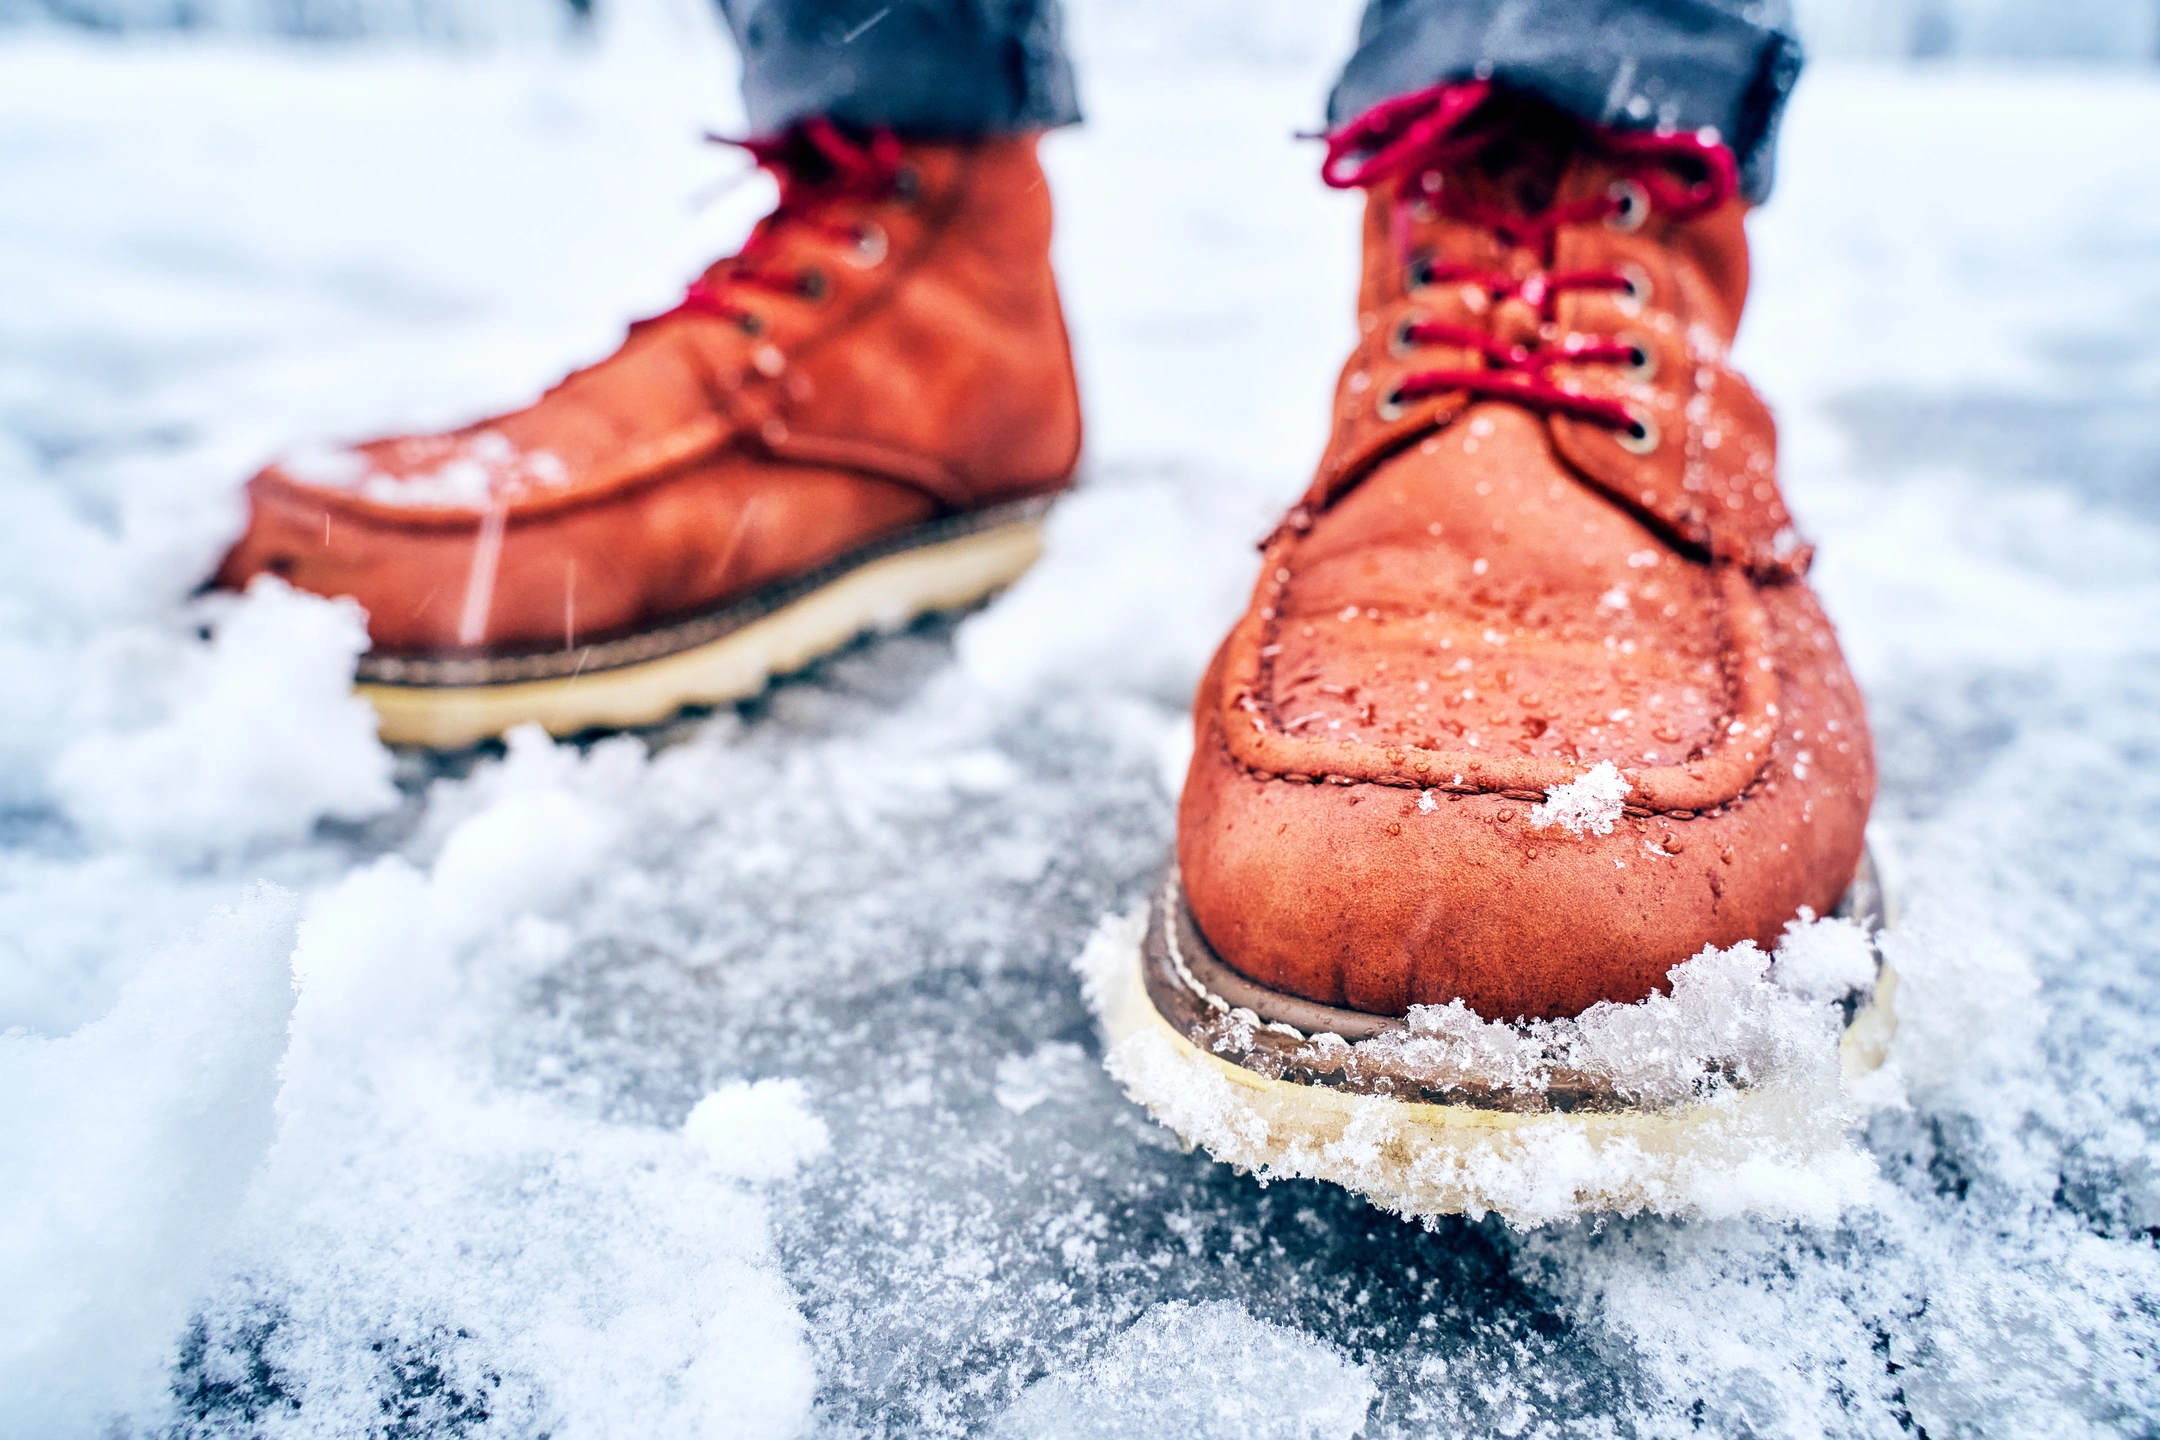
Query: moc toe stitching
{"type": "Point", "coordinates": [1255, 741]}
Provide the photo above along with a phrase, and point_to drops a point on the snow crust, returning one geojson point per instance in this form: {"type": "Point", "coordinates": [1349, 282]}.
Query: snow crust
{"type": "Point", "coordinates": [589, 1258]}
{"type": "Point", "coordinates": [447, 1185]}
{"type": "Point", "coordinates": [1048, 1073]}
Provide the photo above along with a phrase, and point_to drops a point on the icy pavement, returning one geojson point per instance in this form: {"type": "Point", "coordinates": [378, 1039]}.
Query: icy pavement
{"type": "Point", "coordinates": [734, 1080]}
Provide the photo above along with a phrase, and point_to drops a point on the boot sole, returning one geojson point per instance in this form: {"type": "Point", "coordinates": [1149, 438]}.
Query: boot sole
{"type": "Point", "coordinates": [727, 653]}
{"type": "Point", "coordinates": [1283, 1106]}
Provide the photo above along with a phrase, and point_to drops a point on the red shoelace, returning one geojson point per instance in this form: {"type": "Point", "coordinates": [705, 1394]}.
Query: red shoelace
{"type": "Point", "coordinates": [816, 164]}
{"type": "Point", "coordinates": [1417, 138]}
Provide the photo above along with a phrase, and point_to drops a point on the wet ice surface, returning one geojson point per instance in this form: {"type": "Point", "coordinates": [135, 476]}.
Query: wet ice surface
{"type": "Point", "coordinates": [451, 1190]}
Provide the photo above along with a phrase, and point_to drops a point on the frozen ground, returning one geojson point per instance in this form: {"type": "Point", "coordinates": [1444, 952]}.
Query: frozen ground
{"type": "Point", "coordinates": [734, 1080]}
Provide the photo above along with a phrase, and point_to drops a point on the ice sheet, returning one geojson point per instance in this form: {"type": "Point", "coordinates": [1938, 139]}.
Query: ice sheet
{"type": "Point", "coordinates": [475, 1208]}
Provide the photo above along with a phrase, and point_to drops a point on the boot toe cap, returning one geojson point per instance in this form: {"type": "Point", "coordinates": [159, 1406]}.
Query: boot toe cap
{"type": "Point", "coordinates": [1378, 898]}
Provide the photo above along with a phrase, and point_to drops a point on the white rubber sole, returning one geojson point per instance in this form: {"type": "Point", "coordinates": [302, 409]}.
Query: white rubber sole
{"type": "Point", "coordinates": [881, 594]}
{"type": "Point", "coordinates": [1771, 1150]}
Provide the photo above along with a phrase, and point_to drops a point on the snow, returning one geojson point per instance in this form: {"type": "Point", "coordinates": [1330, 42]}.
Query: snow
{"type": "Point", "coordinates": [759, 1130]}
{"type": "Point", "coordinates": [2078, 29]}
{"type": "Point", "coordinates": [1052, 1072]}
{"type": "Point", "coordinates": [125, 1155]}
{"type": "Point", "coordinates": [425, 1165]}
{"type": "Point", "coordinates": [1824, 959]}
{"type": "Point", "coordinates": [1589, 804]}
{"type": "Point", "coordinates": [479, 470]}
{"type": "Point", "coordinates": [1210, 1371]}
{"type": "Point", "coordinates": [245, 741]}
{"type": "Point", "coordinates": [1746, 1110]}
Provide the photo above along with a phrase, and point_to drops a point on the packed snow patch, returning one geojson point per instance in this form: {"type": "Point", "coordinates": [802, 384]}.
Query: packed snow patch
{"type": "Point", "coordinates": [1588, 804]}
{"type": "Point", "coordinates": [1212, 1372]}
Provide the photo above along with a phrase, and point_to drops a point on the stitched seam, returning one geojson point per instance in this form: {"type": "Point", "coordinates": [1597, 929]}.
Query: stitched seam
{"type": "Point", "coordinates": [1464, 791]}
{"type": "Point", "coordinates": [1298, 525]}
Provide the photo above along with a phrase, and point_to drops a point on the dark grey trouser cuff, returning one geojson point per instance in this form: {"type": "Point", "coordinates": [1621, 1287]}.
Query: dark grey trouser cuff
{"type": "Point", "coordinates": [926, 68]}
{"type": "Point", "coordinates": [1633, 64]}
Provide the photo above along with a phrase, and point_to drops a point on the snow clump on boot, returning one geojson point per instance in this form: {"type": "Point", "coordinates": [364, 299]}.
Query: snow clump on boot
{"type": "Point", "coordinates": [1589, 804]}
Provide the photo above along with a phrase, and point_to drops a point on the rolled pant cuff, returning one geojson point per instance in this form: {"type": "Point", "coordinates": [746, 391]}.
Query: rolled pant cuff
{"type": "Point", "coordinates": [928, 72]}
{"type": "Point", "coordinates": [1629, 64]}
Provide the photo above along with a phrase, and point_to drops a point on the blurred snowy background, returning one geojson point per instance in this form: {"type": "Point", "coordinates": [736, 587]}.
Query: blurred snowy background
{"type": "Point", "coordinates": [732, 1080]}
{"type": "Point", "coordinates": [1876, 29]}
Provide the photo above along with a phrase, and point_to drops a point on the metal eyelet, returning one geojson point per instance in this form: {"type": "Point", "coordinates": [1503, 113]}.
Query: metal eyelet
{"type": "Point", "coordinates": [1634, 206]}
{"type": "Point", "coordinates": [1389, 406]}
{"type": "Point", "coordinates": [750, 324]}
{"type": "Point", "coordinates": [871, 246]}
{"type": "Point", "coordinates": [1399, 342]}
{"type": "Point", "coordinates": [1637, 293]}
{"type": "Point", "coordinates": [812, 285]}
{"type": "Point", "coordinates": [1641, 436]}
{"type": "Point", "coordinates": [1418, 274]}
{"type": "Point", "coordinates": [1642, 360]}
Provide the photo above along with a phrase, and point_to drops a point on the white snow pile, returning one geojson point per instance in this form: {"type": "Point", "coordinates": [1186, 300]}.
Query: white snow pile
{"type": "Point", "coordinates": [1734, 1074]}
{"type": "Point", "coordinates": [1587, 805]}
{"type": "Point", "coordinates": [1210, 1371]}
{"type": "Point", "coordinates": [126, 1149]}
{"type": "Point", "coordinates": [1824, 959]}
{"type": "Point", "coordinates": [578, 1259]}
{"type": "Point", "coordinates": [263, 1144]}
{"type": "Point", "coordinates": [757, 1130]}
{"type": "Point", "coordinates": [453, 24]}
{"type": "Point", "coordinates": [2046, 1344]}
{"type": "Point", "coordinates": [1730, 1018]}
{"type": "Point", "coordinates": [240, 742]}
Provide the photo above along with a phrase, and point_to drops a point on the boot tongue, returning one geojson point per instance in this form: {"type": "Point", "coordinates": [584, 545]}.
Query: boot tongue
{"type": "Point", "coordinates": [1528, 155]}
{"type": "Point", "coordinates": [797, 159]}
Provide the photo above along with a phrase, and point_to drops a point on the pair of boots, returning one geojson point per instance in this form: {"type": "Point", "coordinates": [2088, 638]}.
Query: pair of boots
{"type": "Point", "coordinates": [1531, 701]}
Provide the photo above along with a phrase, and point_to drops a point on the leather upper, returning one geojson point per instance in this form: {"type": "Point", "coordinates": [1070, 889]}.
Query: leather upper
{"type": "Point", "coordinates": [1479, 601]}
{"type": "Point", "coordinates": [919, 367]}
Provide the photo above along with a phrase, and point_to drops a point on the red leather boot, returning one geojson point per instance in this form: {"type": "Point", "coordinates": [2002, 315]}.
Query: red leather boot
{"type": "Point", "coordinates": [1532, 702]}
{"type": "Point", "coordinates": [858, 418]}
